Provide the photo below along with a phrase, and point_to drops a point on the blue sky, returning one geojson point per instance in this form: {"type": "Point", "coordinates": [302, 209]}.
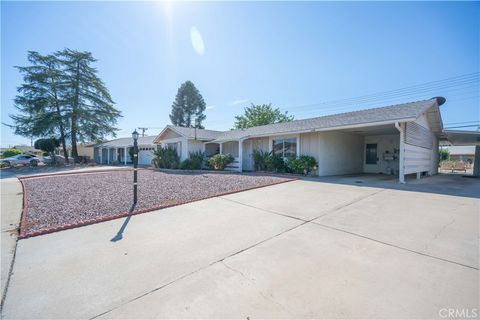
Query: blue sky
{"type": "Point", "coordinates": [293, 55]}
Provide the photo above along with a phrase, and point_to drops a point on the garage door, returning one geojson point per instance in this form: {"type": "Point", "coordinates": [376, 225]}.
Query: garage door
{"type": "Point", "coordinates": [145, 156]}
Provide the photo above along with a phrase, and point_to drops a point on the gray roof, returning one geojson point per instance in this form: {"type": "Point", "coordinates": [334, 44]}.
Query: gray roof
{"type": "Point", "coordinates": [126, 142]}
{"type": "Point", "coordinates": [411, 110]}
{"type": "Point", "coordinates": [189, 133]}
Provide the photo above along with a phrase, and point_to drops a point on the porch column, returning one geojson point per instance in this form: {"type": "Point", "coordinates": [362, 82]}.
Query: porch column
{"type": "Point", "coordinates": [401, 159]}
{"type": "Point", "coordinates": [476, 162]}
{"type": "Point", "coordinates": [108, 155]}
{"type": "Point", "coordinates": [101, 154]}
{"type": "Point", "coordinates": [221, 147]}
{"type": "Point", "coordinates": [125, 155]}
{"type": "Point", "coordinates": [240, 155]}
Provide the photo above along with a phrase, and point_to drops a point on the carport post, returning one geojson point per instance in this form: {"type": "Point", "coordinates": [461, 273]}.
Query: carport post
{"type": "Point", "coordinates": [401, 162]}
{"type": "Point", "coordinates": [476, 162]}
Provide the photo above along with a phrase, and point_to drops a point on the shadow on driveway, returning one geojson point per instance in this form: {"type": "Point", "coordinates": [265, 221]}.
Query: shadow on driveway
{"type": "Point", "coordinates": [446, 184]}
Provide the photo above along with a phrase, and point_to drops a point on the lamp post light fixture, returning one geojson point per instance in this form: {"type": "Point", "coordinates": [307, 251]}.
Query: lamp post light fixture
{"type": "Point", "coordinates": [135, 164]}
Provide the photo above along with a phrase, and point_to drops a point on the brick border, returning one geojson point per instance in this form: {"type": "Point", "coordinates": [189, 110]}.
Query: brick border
{"type": "Point", "coordinates": [23, 234]}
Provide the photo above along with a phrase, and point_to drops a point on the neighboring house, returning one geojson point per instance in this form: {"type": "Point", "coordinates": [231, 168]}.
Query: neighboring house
{"type": "Point", "coordinates": [84, 150]}
{"type": "Point", "coordinates": [461, 153]}
{"type": "Point", "coordinates": [29, 150]}
{"type": "Point", "coordinates": [400, 139]}
{"type": "Point", "coordinates": [117, 151]}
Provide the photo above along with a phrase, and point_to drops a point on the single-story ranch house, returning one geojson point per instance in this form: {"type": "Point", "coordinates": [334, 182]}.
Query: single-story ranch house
{"type": "Point", "coordinates": [400, 139]}
{"type": "Point", "coordinates": [117, 151]}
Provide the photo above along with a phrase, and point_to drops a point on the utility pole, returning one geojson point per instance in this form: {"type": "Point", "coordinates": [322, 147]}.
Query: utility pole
{"type": "Point", "coordinates": [143, 131]}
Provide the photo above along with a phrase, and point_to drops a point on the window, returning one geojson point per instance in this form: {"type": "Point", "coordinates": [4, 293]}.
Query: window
{"type": "Point", "coordinates": [177, 146]}
{"type": "Point", "coordinates": [371, 153]}
{"type": "Point", "coordinates": [285, 148]}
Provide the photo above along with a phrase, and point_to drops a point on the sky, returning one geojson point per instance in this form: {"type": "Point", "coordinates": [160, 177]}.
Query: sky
{"type": "Point", "coordinates": [301, 57]}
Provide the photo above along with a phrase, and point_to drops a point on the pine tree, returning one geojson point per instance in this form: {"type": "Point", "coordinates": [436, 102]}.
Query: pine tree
{"type": "Point", "coordinates": [188, 104]}
{"type": "Point", "coordinates": [39, 101]}
{"type": "Point", "coordinates": [92, 111]}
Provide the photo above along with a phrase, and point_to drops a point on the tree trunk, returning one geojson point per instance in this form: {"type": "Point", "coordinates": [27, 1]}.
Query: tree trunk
{"type": "Point", "coordinates": [74, 115]}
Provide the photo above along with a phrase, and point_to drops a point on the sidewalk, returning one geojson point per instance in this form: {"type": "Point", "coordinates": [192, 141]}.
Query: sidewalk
{"type": "Point", "coordinates": [11, 212]}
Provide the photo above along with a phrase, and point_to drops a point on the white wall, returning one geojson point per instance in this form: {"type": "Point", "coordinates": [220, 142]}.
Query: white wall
{"type": "Point", "coordinates": [423, 157]}
{"type": "Point", "coordinates": [260, 144]}
{"type": "Point", "coordinates": [195, 146]}
{"type": "Point", "coordinates": [336, 152]}
{"type": "Point", "coordinates": [384, 143]}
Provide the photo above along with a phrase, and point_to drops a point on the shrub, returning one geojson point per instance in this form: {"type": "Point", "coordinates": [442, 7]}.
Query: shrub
{"type": "Point", "coordinates": [10, 153]}
{"type": "Point", "coordinates": [166, 158]}
{"type": "Point", "coordinates": [275, 163]}
{"type": "Point", "coordinates": [220, 161]}
{"type": "Point", "coordinates": [301, 165]}
{"type": "Point", "coordinates": [194, 161]}
{"type": "Point", "coordinates": [260, 160]}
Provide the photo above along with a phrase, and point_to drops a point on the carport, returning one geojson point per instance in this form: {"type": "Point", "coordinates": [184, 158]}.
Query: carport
{"type": "Point", "coordinates": [464, 138]}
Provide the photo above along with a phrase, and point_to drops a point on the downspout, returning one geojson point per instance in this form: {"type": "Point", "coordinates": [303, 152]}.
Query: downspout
{"type": "Point", "coordinates": [401, 160]}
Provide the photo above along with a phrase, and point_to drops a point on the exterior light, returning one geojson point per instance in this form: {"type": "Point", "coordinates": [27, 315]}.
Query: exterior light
{"type": "Point", "coordinates": [135, 164]}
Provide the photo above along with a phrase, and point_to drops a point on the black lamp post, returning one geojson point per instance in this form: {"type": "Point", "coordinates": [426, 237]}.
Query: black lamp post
{"type": "Point", "coordinates": [135, 163]}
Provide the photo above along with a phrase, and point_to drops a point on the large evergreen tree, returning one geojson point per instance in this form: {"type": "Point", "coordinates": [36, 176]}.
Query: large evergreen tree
{"type": "Point", "coordinates": [92, 111]}
{"type": "Point", "coordinates": [259, 115]}
{"type": "Point", "coordinates": [62, 96]}
{"type": "Point", "coordinates": [188, 105]}
{"type": "Point", "coordinates": [42, 110]}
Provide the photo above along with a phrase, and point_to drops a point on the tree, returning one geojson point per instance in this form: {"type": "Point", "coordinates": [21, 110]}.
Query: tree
{"type": "Point", "coordinates": [92, 111]}
{"type": "Point", "coordinates": [48, 145]}
{"type": "Point", "coordinates": [39, 101]}
{"type": "Point", "coordinates": [188, 104]}
{"type": "Point", "coordinates": [10, 153]}
{"type": "Point", "coordinates": [443, 155]}
{"type": "Point", "coordinates": [259, 115]}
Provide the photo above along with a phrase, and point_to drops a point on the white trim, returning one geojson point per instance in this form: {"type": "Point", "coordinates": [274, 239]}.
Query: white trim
{"type": "Point", "coordinates": [157, 138]}
{"type": "Point", "coordinates": [359, 125]}
{"type": "Point", "coordinates": [401, 161]}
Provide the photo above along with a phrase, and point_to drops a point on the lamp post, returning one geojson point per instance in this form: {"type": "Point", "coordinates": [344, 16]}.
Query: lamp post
{"type": "Point", "coordinates": [135, 163]}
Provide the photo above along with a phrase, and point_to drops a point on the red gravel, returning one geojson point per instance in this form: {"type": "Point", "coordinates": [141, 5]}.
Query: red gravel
{"type": "Point", "coordinates": [60, 202]}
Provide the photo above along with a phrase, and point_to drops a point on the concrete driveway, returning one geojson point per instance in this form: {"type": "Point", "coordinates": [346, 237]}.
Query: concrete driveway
{"type": "Point", "coordinates": [303, 249]}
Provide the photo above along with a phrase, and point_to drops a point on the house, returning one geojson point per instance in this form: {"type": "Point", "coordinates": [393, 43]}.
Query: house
{"type": "Point", "coordinates": [117, 151]}
{"type": "Point", "coordinates": [399, 139]}
{"type": "Point", "coordinates": [84, 150]}
{"type": "Point", "coordinates": [461, 153]}
{"type": "Point", "coordinates": [29, 150]}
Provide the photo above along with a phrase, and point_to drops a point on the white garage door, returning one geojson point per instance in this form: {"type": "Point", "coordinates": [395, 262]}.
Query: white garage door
{"type": "Point", "coordinates": [145, 156]}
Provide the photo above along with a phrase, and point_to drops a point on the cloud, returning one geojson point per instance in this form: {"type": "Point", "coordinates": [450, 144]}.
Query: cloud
{"type": "Point", "coordinates": [209, 107]}
{"type": "Point", "coordinates": [197, 40]}
{"type": "Point", "coordinates": [239, 101]}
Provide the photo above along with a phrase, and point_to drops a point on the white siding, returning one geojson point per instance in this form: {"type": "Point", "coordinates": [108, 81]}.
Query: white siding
{"type": "Point", "coordinates": [184, 148]}
{"type": "Point", "coordinates": [194, 146]}
{"type": "Point", "coordinates": [249, 145]}
{"type": "Point", "coordinates": [336, 152]}
{"type": "Point", "coordinates": [384, 143]}
{"type": "Point", "coordinates": [230, 147]}
{"type": "Point", "coordinates": [420, 147]}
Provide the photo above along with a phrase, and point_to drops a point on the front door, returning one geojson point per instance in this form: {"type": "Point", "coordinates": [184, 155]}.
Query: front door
{"type": "Point", "coordinates": [371, 158]}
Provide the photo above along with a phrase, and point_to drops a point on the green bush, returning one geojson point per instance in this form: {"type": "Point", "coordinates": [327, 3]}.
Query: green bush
{"type": "Point", "coordinates": [194, 161]}
{"type": "Point", "coordinates": [260, 160]}
{"type": "Point", "coordinates": [10, 153]}
{"type": "Point", "coordinates": [220, 161]}
{"type": "Point", "coordinates": [166, 158]}
{"type": "Point", "coordinates": [275, 163]}
{"type": "Point", "coordinates": [301, 165]}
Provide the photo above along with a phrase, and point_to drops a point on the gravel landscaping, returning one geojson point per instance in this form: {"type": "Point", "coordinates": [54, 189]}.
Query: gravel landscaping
{"type": "Point", "coordinates": [64, 201]}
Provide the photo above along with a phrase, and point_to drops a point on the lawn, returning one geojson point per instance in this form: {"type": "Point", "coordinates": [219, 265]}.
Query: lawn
{"type": "Point", "coordinates": [57, 202]}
